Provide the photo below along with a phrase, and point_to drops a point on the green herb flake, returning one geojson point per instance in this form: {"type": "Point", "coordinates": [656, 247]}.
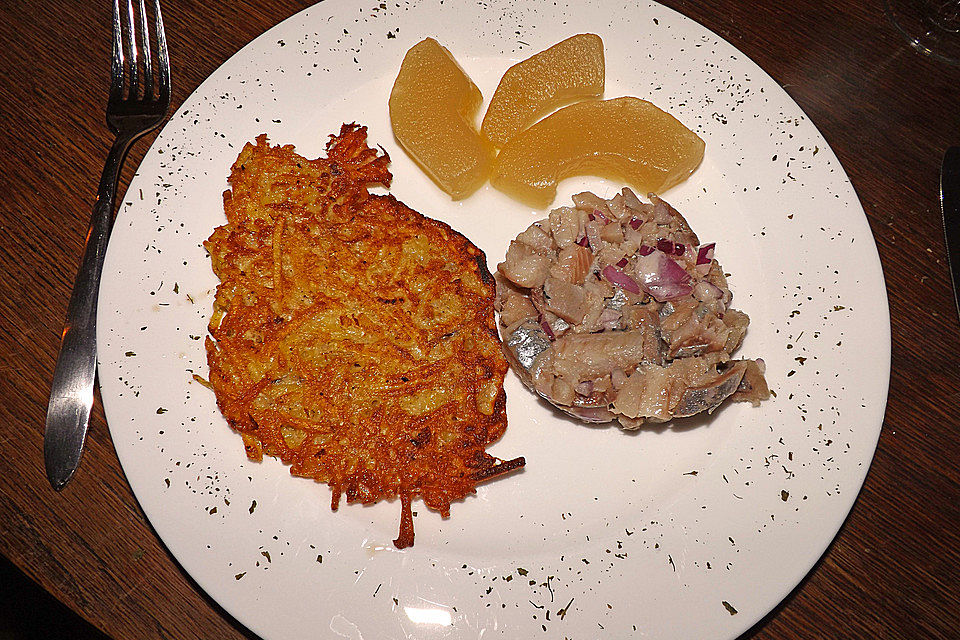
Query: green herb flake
{"type": "Point", "coordinates": [522, 571]}
{"type": "Point", "coordinates": [161, 410]}
{"type": "Point", "coordinates": [239, 575]}
{"type": "Point", "coordinates": [130, 354]}
{"type": "Point", "coordinates": [253, 506]}
{"type": "Point", "coordinates": [784, 495]}
{"type": "Point", "coordinates": [729, 608]}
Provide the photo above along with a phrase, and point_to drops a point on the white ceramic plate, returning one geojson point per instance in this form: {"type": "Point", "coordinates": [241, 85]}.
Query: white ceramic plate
{"type": "Point", "coordinates": [693, 531]}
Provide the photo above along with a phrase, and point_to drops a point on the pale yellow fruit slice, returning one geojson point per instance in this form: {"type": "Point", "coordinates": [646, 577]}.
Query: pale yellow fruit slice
{"type": "Point", "coordinates": [625, 139]}
{"type": "Point", "coordinates": [568, 71]}
{"type": "Point", "coordinates": [433, 108]}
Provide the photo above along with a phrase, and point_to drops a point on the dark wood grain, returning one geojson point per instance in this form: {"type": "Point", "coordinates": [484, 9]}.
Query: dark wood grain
{"type": "Point", "coordinates": [893, 571]}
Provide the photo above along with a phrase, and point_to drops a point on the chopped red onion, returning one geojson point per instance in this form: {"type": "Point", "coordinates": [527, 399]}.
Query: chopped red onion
{"type": "Point", "coordinates": [645, 250]}
{"type": "Point", "coordinates": [635, 222]}
{"type": "Point", "coordinates": [623, 262]}
{"type": "Point", "coordinates": [584, 388]}
{"type": "Point", "coordinates": [665, 245]}
{"type": "Point", "coordinates": [705, 259]}
{"type": "Point", "coordinates": [599, 214]}
{"type": "Point", "coordinates": [663, 278]}
{"type": "Point", "coordinates": [670, 247]}
{"type": "Point", "coordinates": [583, 242]}
{"type": "Point", "coordinates": [619, 279]}
{"type": "Point", "coordinates": [547, 329]}
{"type": "Point", "coordinates": [705, 253]}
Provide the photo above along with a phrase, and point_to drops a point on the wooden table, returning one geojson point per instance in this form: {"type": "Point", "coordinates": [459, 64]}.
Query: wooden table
{"type": "Point", "coordinates": [894, 569]}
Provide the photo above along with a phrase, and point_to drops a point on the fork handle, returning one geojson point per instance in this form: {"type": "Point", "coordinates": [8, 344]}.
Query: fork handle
{"type": "Point", "coordinates": [71, 394]}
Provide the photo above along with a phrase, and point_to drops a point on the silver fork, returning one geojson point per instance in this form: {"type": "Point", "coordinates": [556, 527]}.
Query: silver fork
{"type": "Point", "coordinates": [138, 103]}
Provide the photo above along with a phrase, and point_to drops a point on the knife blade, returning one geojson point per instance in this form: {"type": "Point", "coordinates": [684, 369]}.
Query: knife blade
{"type": "Point", "coordinates": [950, 208]}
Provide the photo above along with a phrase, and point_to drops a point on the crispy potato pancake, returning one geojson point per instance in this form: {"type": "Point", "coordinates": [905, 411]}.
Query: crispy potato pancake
{"type": "Point", "coordinates": [352, 337]}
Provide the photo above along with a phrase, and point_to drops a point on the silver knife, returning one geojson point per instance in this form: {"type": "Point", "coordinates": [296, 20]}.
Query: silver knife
{"type": "Point", "coordinates": [950, 206]}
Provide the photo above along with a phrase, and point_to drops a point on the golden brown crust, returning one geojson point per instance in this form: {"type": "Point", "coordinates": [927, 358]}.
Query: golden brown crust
{"type": "Point", "coordinates": [352, 337]}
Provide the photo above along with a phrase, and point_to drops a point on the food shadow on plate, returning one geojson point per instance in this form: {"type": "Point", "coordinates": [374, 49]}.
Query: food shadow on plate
{"type": "Point", "coordinates": [675, 425]}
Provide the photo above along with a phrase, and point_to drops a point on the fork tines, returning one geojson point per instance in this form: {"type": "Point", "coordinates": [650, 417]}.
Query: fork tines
{"type": "Point", "coordinates": [132, 55]}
